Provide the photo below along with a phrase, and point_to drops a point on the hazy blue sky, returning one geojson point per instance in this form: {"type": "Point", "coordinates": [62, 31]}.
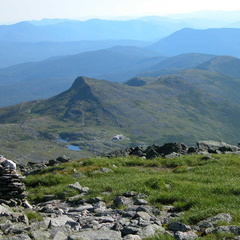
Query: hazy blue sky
{"type": "Point", "coordinates": [19, 10]}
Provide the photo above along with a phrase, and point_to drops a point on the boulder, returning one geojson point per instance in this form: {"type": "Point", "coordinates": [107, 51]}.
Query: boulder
{"type": "Point", "coordinates": [185, 235]}
{"type": "Point", "coordinates": [221, 229]}
{"type": "Point", "coordinates": [121, 200]}
{"type": "Point", "coordinates": [96, 235]}
{"type": "Point", "coordinates": [215, 146]}
{"type": "Point", "coordinates": [177, 226]}
{"type": "Point", "coordinates": [213, 221]}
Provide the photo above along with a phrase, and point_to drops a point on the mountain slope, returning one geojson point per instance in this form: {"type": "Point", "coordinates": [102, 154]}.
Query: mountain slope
{"type": "Point", "coordinates": [20, 52]}
{"type": "Point", "coordinates": [222, 85]}
{"type": "Point", "coordinates": [49, 77]}
{"type": "Point", "coordinates": [222, 41]}
{"type": "Point", "coordinates": [227, 65]}
{"type": "Point", "coordinates": [93, 29]}
{"type": "Point", "coordinates": [175, 64]}
{"type": "Point", "coordinates": [91, 112]}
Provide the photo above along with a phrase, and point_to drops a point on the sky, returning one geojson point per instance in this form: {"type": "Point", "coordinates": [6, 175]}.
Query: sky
{"type": "Point", "coordinates": [12, 11]}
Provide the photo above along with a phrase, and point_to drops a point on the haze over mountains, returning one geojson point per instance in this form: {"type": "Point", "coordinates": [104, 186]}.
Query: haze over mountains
{"type": "Point", "coordinates": [180, 74]}
{"type": "Point", "coordinates": [223, 41]}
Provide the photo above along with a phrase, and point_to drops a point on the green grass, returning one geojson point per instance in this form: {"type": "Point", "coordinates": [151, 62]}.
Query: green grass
{"type": "Point", "coordinates": [198, 188]}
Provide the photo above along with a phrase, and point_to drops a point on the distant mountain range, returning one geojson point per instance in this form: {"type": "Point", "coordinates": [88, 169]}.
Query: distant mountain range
{"type": "Point", "coordinates": [148, 28]}
{"type": "Point", "coordinates": [30, 81]}
{"type": "Point", "coordinates": [13, 53]}
{"type": "Point", "coordinates": [37, 40]}
{"type": "Point", "coordinates": [91, 112]}
{"type": "Point", "coordinates": [223, 41]}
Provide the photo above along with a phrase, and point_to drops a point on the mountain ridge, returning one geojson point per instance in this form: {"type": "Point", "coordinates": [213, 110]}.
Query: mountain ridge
{"type": "Point", "coordinates": [208, 41]}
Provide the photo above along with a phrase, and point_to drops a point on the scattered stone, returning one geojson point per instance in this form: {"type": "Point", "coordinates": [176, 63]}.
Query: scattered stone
{"type": "Point", "coordinates": [78, 175]}
{"type": "Point", "coordinates": [185, 235]}
{"type": "Point", "coordinates": [60, 236]}
{"type": "Point", "coordinates": [97, 235]}
{"type": "Point", "coordinates": [132, 237]}
{"type": "Point", "coordinates": [103, 170]}
{"type": "Point", "coordinates": [213, 221]}
{"type": "Point", "coordinates": [121, 200]}
{"type": "Point", "coordinates": [177, 226]}
{"type": "Point", "coordinates": [76, 186]}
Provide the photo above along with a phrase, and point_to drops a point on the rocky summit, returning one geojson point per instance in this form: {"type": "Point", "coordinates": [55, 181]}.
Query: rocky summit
{"type": "Point", "coordinates": [129, 218]}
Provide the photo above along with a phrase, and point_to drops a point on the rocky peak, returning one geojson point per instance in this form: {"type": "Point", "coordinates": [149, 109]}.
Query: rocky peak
{"type": "Point", "coordinates": [81, 90]}
{"type": "Point", "coordinates": [79, 82]}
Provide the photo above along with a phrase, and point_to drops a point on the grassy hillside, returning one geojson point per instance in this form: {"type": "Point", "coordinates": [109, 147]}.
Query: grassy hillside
{"type": "Point", "coordinates": [197, 187]}
{"type": "Point", "coordinates": [93, 111]}
{"type": "Point", "coordinates": [177, 63]}
{"type": "Point", "coordinates": [227, 65]}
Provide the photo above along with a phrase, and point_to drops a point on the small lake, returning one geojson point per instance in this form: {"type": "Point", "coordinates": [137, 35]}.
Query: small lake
{"type": "Point", "coordinates": [70, 147]}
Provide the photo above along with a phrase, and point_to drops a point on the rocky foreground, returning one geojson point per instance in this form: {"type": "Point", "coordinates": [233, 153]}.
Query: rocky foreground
{"type": "Point", "coordinates": [130, 217]}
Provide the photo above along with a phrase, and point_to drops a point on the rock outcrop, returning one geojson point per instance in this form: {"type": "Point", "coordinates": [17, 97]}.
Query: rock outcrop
{"type": "Point", "coordinates": [170, 150]}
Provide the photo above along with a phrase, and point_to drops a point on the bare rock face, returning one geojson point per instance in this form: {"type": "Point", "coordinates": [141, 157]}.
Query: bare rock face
{"type": "Point", "coordinates": [215, 146]}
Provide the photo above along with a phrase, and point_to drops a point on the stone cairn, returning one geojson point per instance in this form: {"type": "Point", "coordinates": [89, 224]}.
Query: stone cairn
{"type": "Point", "coordinates": [12, 189]}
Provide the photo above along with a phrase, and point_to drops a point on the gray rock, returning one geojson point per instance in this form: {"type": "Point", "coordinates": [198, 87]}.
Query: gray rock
{"type": "Point", "coordinates": [40, 235]}
{"type": "Point", "coordinates": [4, 209]}
{"type": "Point", "coordinates": [229, 229]}
{"type": "Point", "coordinates": [103, 170]}
{"type": "Point", "coordinates": [38, 225]}
{"type": "Point", "coordinates": [214, 146]}
{"type": "Point", "coordinates": [185, 235]}
{"type": "Point", "coordinates": [60, 221]}
{"type": "Point", "coordinates": [96, 235]}
{"type": "Point", "coordinates": [177, 226]}
{"type": "Point", "coordinates": [132, 237]}
{"type": "Point", "coordinates": [121, 200]}
{"type": "Point", "coordinates": [130, 230]}
{"type": "Point", "coordinates": [60, 236]}
{"type": "Point", "coordinates": [6, 225]}
{"type": "Point", "coordinates": [143, 215]}
{"type": "Point", "coordinates": [140, 202]}
{"type": "Point", "coordinates": [83, 207]}
{"type": "Point", "coordinates": [151, 230]}
{"type": "Point", "coordinates": [149, 209]}
{"type": "Point", "coordinates": [130, 194]}
{"type": "Point", "coordinates": [76, 186]}
{"type": "Point", "coordinates": [18, 237]}
{"type": "Point", "coordinates": [78, 175]}
{"type": "Point", "coordinates": [212, 221]}
{"type": "Point", "coordinates": [75, 198]}
{"type": "Point", "coordinates": [85, 190]}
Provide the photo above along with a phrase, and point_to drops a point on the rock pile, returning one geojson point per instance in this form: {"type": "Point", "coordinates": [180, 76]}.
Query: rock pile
{"type": "Point", "coordinates": [32, 167]}
{"type": "Point", "coordinates": [12, 189]}
{"type": "Point", "coordinates": [170, 150]}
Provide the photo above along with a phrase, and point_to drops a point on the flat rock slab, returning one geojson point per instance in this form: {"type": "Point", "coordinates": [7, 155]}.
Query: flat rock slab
{"type": "Point", "coordinates": [97, 235]}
